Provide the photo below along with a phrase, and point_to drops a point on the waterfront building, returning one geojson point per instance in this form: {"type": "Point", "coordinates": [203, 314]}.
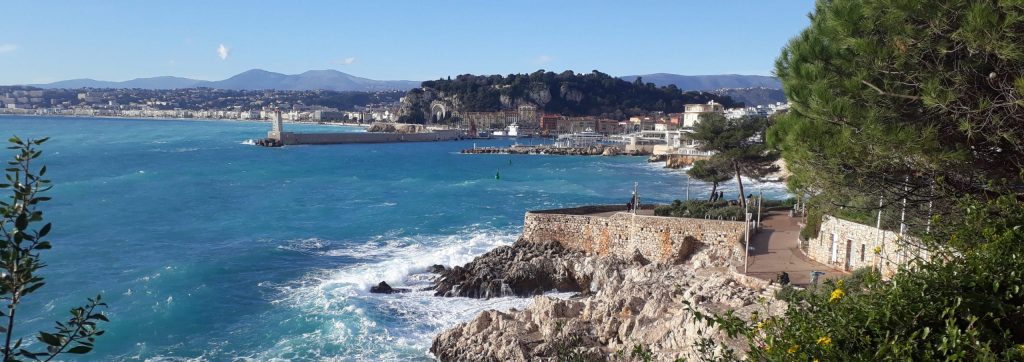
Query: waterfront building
{"type": "Point", "coordinates": [693, 112]}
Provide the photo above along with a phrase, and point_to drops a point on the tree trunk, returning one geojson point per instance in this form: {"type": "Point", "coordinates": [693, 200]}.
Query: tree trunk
{"type": "Point", "coordinates": [743, 195]}
{"type": "Point", "coordinates": [714, 190]}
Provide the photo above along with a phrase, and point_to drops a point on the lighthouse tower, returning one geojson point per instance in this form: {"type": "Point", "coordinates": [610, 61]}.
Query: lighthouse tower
{"type": "Point", "coordinates": [276, 126]}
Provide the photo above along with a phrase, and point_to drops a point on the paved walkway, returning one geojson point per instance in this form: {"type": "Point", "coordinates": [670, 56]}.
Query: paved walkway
{"type": "Point", "coordinates": [776, 249]}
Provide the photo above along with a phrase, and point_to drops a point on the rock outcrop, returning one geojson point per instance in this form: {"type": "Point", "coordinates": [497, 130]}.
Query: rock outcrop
{"type": "Point", "coordinates": [523, 269]}
{"type": "Point", "coordinates": [385, 288]}
{"type": "Point", "coordinates": [624, 304]}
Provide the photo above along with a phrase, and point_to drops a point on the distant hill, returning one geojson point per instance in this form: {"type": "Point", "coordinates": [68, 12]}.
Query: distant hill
{"type": "Point", "coordinates": [147, 83]}
{"type": "Point", "coordinates": [567, 93]}
{"type": "Point", "coordinates": [708, 82]}
{"type": "Point", "coordinates": [255, 79]}
{"type": "Point", "coordinates": [752, 97]}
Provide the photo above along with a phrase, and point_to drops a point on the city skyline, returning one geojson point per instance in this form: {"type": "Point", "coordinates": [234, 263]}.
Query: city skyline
{"type": "Point", "coordinates": [392, 41]}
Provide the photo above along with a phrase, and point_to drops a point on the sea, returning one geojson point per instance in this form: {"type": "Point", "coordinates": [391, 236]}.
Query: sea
{"type": "Point", "coordinates": [208, 248]}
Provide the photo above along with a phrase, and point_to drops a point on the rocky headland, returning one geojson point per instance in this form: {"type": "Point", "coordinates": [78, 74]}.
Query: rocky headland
{"type": "Point", "coordinates": [623, 301]}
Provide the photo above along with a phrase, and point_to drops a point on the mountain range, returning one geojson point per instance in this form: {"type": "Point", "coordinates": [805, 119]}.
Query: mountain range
{"type": "Point", "coordinates": [708, 82]}
{"type": "Point", "coordinates": [255, 79]}
{"type": "Point", "coordinates": [258, 79]}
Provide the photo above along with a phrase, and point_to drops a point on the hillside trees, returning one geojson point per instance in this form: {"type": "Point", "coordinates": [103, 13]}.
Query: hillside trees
{"type": "Point", "coordinates": [567, 93]}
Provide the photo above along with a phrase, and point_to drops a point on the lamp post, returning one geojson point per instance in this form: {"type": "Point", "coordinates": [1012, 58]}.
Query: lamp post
{"type": "Point", "coordinates": [746, 239]}
{"type": "Point", "coordinates": [687, 187]}
{"type": "Point", "coordinates": [760, 199]}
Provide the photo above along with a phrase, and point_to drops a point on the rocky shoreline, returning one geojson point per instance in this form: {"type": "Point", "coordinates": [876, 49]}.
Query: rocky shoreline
{"type": "Point", "coordinates": [621, 303]}
{"type": "Point", "coordinates": [597, 150]}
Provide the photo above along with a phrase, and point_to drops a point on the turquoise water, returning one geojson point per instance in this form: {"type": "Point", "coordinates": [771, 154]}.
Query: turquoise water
{"type": "Point", "coordinates": [208, 248]}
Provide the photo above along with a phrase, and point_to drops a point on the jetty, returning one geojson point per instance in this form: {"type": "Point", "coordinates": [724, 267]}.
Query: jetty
{"type": "Point", "coordinates": [277, 137]}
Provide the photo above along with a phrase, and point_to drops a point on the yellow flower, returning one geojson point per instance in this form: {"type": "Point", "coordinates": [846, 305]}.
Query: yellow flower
{"type": "Point", "coordinates": [878, 250]}
{"type": "Point", "coordinates": [825, 341]}
{"type": "Point", "coordinates": [840, 283]}
{"type": "Point", "coordinates": [793, 349]}
{"type": "Point", "coordinates": [836, 295]}
{"type": "Point", "coordinates": [760, 325]}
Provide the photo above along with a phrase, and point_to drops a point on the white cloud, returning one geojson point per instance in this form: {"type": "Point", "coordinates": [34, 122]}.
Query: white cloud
{"type": "Point", "coordinates": [223, 52]}
{"type": "Point", "coordinates": [348, 61]}
{"type": "Point", "coordinates": [7, 48]}
{"type": "Point", "coordinates": [543, 59]}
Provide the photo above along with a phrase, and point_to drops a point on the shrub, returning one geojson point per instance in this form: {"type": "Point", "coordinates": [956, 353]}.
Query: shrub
{"type": "Point", "coordinates": [700, 209]}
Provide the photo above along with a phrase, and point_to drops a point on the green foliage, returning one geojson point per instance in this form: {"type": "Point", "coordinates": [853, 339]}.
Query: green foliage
{"type": "Point", "coordinates": [964, 303]}
{"type": "Point", "coordinates": [20, 246]}
{"type": "Point", "coordinates": [642, 353]}
{"type": "Point", "coordinates": [734, 142]}
{"type": "Point", "coordinates": [699, 209]}
{"type": "Point", "coordinates": [713, 171]}
{"type": "Point", "coordinates": [898, 99]}
{"type": "Point", "coordinates": [779, 204]}
{"type": "Point", "coordinates": [569, 93]}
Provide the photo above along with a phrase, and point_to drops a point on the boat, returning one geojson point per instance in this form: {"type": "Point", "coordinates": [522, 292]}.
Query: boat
{"type": "Point", "coordinates": [513, 130]}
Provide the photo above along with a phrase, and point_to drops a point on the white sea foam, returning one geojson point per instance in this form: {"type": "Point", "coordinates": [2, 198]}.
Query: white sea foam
{"type": "Point", "coordinates": [375, 326]}
{"type": "Point", "coordinates": [250, 142]}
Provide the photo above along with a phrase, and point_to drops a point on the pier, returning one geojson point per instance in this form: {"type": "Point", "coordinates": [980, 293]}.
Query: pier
{"type": "Point", "coordinates": [277, 137]}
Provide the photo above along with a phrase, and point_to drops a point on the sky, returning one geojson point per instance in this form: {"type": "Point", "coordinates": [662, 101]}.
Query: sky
{"type": "Point", "coordinates": [47, 41]}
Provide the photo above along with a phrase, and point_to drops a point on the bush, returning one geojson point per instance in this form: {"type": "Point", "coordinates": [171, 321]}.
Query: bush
{"type": "Point", "coordinates": [779, 204]}
{"type": "Point", "coordinates": [700, 209]}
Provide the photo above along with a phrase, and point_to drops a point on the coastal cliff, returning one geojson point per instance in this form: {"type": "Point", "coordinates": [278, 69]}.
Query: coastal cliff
{"type": "Point", "coordinates": [627, 297]}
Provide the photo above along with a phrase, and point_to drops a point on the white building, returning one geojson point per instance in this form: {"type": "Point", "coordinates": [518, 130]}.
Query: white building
{"type": "Point", "coordinates": [693, 112]}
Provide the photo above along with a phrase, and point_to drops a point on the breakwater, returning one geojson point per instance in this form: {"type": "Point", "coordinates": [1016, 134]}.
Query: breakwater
{"type": "Point", "coordinates": [597, 150]}
{"type": "Point", "coordinates": [386, 133]}
{"type": "Point", "coordinates": [288, 138]}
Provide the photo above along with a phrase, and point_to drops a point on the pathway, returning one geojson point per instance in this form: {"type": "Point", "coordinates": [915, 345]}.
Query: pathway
{"type": "Point", "coordinates": [776, 249]}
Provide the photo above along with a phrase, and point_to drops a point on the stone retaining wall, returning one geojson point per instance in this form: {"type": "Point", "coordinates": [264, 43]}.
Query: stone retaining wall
{"type": "Point", "coordinates": [656, 238]}
{"type": "Point", "coordinates": [849, 246]}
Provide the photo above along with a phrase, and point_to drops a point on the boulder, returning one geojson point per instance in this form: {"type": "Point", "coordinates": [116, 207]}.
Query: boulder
{"type": "Point", "coordinates": [610, 151]}
{"type": "Point", "coordinates": [384, 288]}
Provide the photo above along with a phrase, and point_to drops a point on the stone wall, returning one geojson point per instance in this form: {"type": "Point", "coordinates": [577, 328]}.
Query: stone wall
{"type": "Point", "coordinates": [655, 238]}
{"type": "Point", "coordinates": [848, 246]}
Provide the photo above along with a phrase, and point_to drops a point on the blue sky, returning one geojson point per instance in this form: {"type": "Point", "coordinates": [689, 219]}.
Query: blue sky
{"type": "Point", "coordinates": [45, 41]}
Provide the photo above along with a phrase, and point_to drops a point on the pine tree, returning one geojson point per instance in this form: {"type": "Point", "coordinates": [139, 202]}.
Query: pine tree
{"type": "Point", "coordinates": [711, 171]}
{"type": "Point", "coordinates": [735, 143]}
{"type": "Point", "coordinates": [900, 99]}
